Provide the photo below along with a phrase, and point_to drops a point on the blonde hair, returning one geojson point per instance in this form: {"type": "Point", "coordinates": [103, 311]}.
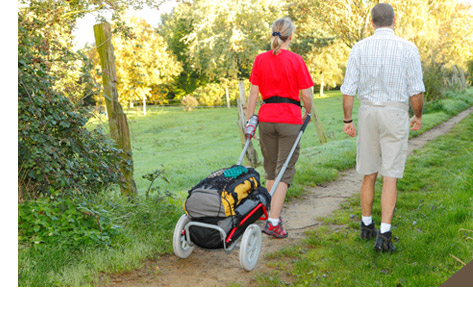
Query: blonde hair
{"type": "Point", "coordinates": [282, 29]}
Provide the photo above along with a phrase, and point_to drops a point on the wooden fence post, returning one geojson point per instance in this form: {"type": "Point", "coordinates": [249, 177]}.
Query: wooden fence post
{"type": "Point", "coordinates": [117, 120]}
{"type": "Point", "coordinates": [318, 126]}
{"type": "Point", "coordinates": [251, 154]}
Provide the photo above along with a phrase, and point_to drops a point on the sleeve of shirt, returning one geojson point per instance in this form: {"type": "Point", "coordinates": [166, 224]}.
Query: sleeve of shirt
{"type": "Point", "coordinates": [304, 80]}
{"type": "Point", "coordinates": [415, 85]}
{"type": "Point", "coordinates": [352, 75]}
{"type": "Point", "coordinates": [254, 79]}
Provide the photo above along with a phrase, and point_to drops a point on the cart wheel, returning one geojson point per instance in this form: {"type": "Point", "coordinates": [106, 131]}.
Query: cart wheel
{"type": "Point", "coordinates": [250, 247]}
{"type": "Point", "coordinates": [181, 247]}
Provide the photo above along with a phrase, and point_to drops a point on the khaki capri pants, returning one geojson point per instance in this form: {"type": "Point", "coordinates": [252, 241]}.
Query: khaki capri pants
{"type": "Point", "coordinates": [383, 131]}
{"type": "Point", "coordinates": [277, 140]}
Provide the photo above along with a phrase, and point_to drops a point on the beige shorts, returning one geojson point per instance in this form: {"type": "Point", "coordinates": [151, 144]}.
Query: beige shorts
{"type": "Point", "coordinates": [276, 140]}
{"type": "Point", "coordinates": [383, 131]}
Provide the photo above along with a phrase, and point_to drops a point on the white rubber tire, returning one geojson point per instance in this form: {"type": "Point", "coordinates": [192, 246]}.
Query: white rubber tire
{"type": "Point", "coordinates": [250, 247]}
{"type": "Point", "coordinates": [181, 247]}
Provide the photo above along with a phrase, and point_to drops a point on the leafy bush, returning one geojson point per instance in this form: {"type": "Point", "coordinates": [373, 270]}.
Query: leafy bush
{"type": "Point", "coordinates": [64, 220]}
{"type": "Point", "coordinates": [470, 72]}
{"type": "Point", "coordinates": [55, 150]}
{"type": "Point", "coordinates": [210, 94]}
{"type": "Point", "coordinates": [189, 102]}
{"type": "Point", "coordinates": [434, 81]}
{"type": "Point", "coordinates": [214, 94]}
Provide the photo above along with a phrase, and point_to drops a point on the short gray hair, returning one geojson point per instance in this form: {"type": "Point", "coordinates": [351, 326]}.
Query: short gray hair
{"type": "Point", "coordinates": [382, 15]}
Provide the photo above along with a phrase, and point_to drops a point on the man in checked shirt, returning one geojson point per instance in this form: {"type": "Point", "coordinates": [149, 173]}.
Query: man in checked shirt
{"type": "Point", "coordinates": [386, 72]}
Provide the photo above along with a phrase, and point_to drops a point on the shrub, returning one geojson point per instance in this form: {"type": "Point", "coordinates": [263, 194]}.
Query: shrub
{"type": "Point", "coordinates": [189, 102]}
{"type": "Point", "coordinates": [434, 81]}
{"type": "Point", "coordinates": [70, 222]}
{"type": "Point", "coordinates": [470, 72]}
{"type": "Point", "coordinates": [210, 94]}
{"type": "Point", "coordinates": [55, 150]}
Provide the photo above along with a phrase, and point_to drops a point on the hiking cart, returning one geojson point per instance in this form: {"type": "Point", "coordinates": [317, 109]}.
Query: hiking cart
{"type": "Point", "coordinates": [213, 229]}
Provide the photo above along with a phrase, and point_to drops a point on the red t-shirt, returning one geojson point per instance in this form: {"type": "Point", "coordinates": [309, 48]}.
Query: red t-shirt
{"type": "Point", "coordinates": [282, 75]}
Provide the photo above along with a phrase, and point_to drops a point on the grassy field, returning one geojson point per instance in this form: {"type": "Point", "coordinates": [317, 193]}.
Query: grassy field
{"type": "Point", "coordinates": [188, 146]}
{"type": "Point", "coordinates": [433, 224]}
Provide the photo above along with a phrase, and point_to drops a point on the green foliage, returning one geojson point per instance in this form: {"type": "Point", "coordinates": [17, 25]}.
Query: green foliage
{"type": "Point", "coordinates": [152, 177]}
{"type": "Point", "coordinates": [73, 223]}
{"type": "Point", "coordinates": [55, 150]}
{"type": "Point", "coordinates": [227, 35]}
{"type": "Point", "coordinates": [174, 28]}
{"type": "Point", "coordinates": [470, 72]}
{"type": "Point", "coordinates": [144, 65]}
{"type": "Point", "coordinates": [137, 230]}
{"type": "Point", "coordinates": [452, 103]}
{"type": "Point", "coordinates": [213, 94]}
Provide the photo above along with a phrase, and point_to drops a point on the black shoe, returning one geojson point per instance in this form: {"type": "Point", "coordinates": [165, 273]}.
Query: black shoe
{"type": "Point", "coordinates": [383, 242]}
{"type": "Point", "coordinates": [368, 232]}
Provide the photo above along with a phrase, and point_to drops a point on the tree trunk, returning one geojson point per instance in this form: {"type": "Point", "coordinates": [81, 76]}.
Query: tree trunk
{"type": "Point", "coordinates": [322, 83]}
{"type": "Point", "coordinates": [118, 122]}
{"type": "Point", "coordinates": [144, 104]}
{"type": "Point", "coordinates": [228, 99]}
{"type": "Point", "coordinates": [251, 155]}
{"type": "Point", "coordinates": [318, 126]}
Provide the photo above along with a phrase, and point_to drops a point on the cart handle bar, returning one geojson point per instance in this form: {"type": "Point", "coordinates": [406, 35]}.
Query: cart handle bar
{"type": "Point", "coordinates": [286, 163]}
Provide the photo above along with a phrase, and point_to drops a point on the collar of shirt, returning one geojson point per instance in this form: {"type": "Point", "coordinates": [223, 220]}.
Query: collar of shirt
{"type": "Point", "coordinates": [383, 30]}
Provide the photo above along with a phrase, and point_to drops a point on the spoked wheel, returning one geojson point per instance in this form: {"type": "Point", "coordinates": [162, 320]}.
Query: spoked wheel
{"type": "Point", "coordinates": [181, 247]}
{"type": "Point", "coordinates": [250, 247]}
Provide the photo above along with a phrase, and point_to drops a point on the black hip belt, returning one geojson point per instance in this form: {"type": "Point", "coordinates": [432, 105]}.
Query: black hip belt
{"type": "Point", "coordinates": [279, 99]}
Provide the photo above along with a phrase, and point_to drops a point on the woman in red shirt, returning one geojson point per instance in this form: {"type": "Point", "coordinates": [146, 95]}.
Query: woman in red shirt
{"type": "Point", "coordinates": [278, 74]}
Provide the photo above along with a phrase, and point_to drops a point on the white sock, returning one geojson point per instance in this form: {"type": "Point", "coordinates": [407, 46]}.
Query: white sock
{"type": "Point", "coordinates": [274, 222]}
{"type": "Point", "coordinates": [385, 227]}
{"type": "Point", "coordinates": [366, 220]}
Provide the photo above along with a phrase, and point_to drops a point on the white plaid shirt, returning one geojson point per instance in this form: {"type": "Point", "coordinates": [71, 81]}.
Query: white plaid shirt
{"type": "Point", "coordinates": [383, 68]}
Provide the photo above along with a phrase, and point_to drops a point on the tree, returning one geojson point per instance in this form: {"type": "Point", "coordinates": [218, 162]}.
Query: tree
{"type": "Point", "coordinates": [227, 35]}
{"type": "Point", "coordinates": [441, 30]}
{"type": "Point", "coordinates": [350, 20]}
{"type": "Point", "coordinates": [174, 28]}
{"type": "Point", "coordinates": [144, 64]}
{"type": "Point", "coordinates": [324, 53]}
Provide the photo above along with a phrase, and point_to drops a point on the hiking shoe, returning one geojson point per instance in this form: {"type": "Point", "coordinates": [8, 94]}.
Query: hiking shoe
{"type": "Point", "coordinates": [275, 231]}
{"type": "Point", "coordinates": [368, 232]}
{"type": "Point", "coordinates": [383, 242]}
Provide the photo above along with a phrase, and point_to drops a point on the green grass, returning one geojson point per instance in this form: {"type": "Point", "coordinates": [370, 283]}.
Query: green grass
{"type": "Point", "coordinates": [433, 220]}
{"type": "Point", "coordinates": [147, 224]}
{"type": "Point", "coordinates": [190, 145]}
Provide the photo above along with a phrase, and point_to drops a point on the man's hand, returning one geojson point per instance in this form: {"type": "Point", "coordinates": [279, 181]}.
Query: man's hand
{"type": "Point", "coordinates": [348, 101]}
{"type": "Point", "coordinates": [350, 129]}
{"type": "Point", "coordinates": [417, 103]}
{"type": "Point", "coordinates": [416, 123]}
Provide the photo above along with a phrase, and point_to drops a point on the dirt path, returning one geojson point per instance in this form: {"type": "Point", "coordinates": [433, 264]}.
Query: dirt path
{"type": "Point", "coordinates": [220, 268]}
